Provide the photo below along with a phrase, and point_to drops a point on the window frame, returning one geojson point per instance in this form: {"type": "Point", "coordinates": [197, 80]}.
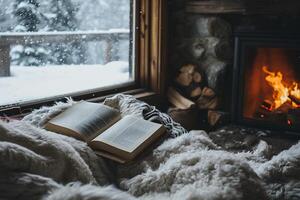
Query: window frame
{"type": "Point", "coordinates": [148, 57]}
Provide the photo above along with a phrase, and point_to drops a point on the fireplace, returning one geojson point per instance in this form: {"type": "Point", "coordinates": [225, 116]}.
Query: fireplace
{"type": "Point", "coordinates": [266, 88]}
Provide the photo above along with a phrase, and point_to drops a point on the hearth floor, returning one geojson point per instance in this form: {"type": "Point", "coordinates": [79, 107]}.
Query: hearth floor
{"type": "Point", "coordinates": [237, 138]}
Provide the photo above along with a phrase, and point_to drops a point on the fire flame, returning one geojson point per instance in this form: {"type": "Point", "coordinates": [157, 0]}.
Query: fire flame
{"type": "Point", "coordinates": [281, 92]}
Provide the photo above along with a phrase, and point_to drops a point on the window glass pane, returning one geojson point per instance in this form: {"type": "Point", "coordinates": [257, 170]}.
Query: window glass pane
{"type": "Point", "coordinates": [60, 47]}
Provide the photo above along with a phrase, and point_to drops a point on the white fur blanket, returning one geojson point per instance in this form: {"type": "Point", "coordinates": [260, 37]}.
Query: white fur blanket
{"type": "Point", "coordinates": [36, 164]}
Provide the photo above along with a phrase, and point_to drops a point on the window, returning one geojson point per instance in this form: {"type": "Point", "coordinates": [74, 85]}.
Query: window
{"type": "Point", "coordinates": [80, 48]}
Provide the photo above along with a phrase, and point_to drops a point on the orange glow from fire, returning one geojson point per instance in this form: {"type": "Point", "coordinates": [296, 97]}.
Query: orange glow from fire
{"type": "Point", "coordinates": [281, 91]}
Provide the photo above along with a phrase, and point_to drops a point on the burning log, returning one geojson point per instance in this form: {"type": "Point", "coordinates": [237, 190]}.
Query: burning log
{"type": "Point", "coordinates": [284, 107]}
{"type": "Point", "coordinates": [266, 112]}
{"type": "Point", "coordinates": [294, 99]}
{"type": "Point", "coordinates": [266, 105]}
{"type": "Point", "coordinates": [262, 113]}
{"type": "Point", "coordinates": [212, 26]}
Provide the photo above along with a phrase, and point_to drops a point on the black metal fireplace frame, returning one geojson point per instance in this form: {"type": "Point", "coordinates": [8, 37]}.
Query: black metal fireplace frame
{"type": "Point", "coordinates": [243, 40]}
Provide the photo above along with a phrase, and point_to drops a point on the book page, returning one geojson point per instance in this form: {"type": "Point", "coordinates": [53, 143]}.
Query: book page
{"type": "Point", "coordinates": [129, 133]}
{"type": "Point", "coordinates": [87, 119]}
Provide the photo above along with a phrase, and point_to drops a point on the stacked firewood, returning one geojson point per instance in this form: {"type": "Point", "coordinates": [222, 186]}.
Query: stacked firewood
{"type": "Point", "coordinates": [206, 99]}
{"type": "Point", "coordinates": [209, 49]}
{"type": "Point", "coordinates": [191, 83]}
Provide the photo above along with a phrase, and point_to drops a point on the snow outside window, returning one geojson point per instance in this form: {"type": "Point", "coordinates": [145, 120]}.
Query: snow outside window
{"type": "Point", "coordinates": [60, 47]}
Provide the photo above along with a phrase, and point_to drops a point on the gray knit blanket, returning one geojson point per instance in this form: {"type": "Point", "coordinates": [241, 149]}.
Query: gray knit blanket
{"type": "Point", "coordinates": [38, 164]}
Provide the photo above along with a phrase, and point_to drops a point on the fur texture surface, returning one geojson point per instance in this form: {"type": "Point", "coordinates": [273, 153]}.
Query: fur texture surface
{"type": "Point", "coordinates": [38, 164]}
{"type": "Point", "coordinates": [76, 191]}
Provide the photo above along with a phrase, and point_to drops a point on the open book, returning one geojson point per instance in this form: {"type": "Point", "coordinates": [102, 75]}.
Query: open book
{"type": "Point", "coordinates": [105, 131]}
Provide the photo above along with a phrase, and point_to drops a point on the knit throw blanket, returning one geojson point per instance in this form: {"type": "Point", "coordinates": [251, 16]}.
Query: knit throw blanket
{"type": "Point", "coordinates": [38, 164]}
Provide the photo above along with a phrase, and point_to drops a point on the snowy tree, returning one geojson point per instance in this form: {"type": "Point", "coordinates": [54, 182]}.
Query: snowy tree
{"type": "Point", "coordinates": [65, 15]}
{"type": "Point", "coordinates": [104, 15]}
{"type": "Point", "coordinates": [7, 22]}
{"type": "Point", "coordinates": [27, 17]}
{"type": "Point", "coordinates": [61, 17]}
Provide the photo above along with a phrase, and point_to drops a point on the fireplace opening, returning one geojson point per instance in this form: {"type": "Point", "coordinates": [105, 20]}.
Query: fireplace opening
{"type": "Point", "coordinates": [271, 85]}
{"type": "Point", "coordinates": [267, 82]}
